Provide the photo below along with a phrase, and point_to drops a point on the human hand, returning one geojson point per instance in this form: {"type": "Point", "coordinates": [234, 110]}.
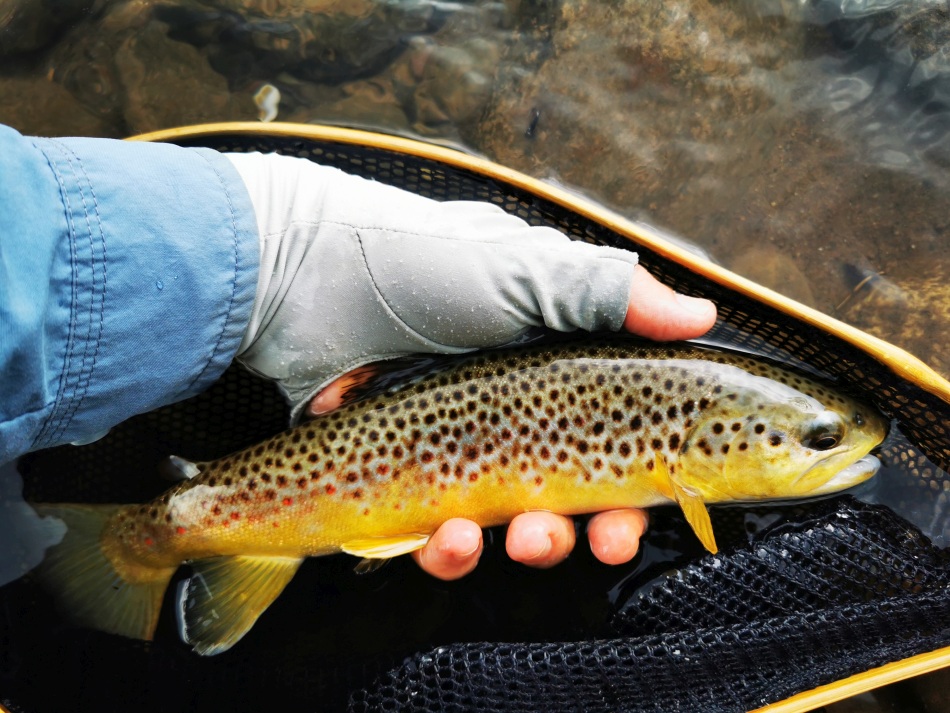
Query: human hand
{"type": "Point", "coordinates": [354, 272]}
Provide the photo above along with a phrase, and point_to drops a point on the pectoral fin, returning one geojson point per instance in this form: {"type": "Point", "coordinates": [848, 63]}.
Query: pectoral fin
{"type": "Point", "coordinates": [694, 508]}
{"type": "Point", "coordinates": [220, 602]}
{"type": "Point", "coordinates": [374, 548]}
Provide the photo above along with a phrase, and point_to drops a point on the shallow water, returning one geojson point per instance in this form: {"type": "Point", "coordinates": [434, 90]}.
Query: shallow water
{"type": "Point", "coordinates": [804, 145]}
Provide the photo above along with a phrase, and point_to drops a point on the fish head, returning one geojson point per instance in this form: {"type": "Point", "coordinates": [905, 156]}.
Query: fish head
{"type": "Point", "coordinates": [768, 440]}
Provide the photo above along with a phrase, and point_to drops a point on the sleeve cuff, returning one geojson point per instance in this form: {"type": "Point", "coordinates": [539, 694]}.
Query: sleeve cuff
{"type": "Point", "coordinates": [158, 279]}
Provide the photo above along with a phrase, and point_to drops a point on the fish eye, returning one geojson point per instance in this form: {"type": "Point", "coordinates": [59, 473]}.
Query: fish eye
{"type": "Point", "coordinates": [822, 438]}
{"type": "Point", "coordinates": [824, 434]}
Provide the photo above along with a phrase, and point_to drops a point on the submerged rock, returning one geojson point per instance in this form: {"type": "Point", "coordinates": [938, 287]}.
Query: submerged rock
{"type": "Point", "coordinates": [329, 41]}
{"type": "Point", "coordinates": [910, 308]}
{"type": "Point", "coordinates": [29, 25]}
{"type": "Point", "coordinates": [39, 107]}
{"type": "Point", "coordinates": [152, 69]}
{"type": "Point", "coordinates": [775, 269]}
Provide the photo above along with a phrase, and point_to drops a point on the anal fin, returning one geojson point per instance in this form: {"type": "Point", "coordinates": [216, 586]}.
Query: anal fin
{"type": "Point", "coordinates": [220, 602]}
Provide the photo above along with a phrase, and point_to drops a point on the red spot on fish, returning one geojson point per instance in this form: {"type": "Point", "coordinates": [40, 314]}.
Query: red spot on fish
{"type": "Point", "coordinates": [180, 530]}
{"type": "Point", "coordinates": [397, 506]}
{"type": "Point", "coordinates": [226, 523]}
{"type": "Point", "coordinates": [275, 524]}
{"type": "Point", "coordinates": [330, 489]}
{"type": "Point", "coordinates": [149, 542]}
{"type": "Point", "coordinates": [288, 501]}
{"type": "Point", "coordinates": [382, 469]}
{"type": "Point", "coordinates": [235, 516]}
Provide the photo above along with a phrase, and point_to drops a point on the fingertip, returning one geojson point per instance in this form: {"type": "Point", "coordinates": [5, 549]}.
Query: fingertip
{"type": "Point", "coordinates": [327, 400]}
{"type": "Point", "coordinates": [614, 535]}
{"type": "Point", "coordinates": [657, 312]}
{"type": "Point", "coordinates": [333, 394]}
{"type": "Point", "coordinates": [453, 550]}
{"type": "Point", "coordinates": [540, 539]}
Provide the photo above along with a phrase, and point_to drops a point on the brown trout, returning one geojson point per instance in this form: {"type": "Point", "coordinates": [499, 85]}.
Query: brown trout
{"type": "Point", "coordinates": [573, 427]}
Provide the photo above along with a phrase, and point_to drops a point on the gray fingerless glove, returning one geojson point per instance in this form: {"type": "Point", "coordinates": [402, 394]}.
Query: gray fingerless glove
{"type": "Point", "coordinates": [354, 271]}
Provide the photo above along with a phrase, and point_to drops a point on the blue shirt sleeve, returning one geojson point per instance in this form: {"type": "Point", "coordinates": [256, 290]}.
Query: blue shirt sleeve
{"type": "Point", "coordinates": [127, 278]}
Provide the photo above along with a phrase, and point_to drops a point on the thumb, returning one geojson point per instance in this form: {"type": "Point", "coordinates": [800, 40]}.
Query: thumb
{"type": "Point", "coordinates": [657, 312]}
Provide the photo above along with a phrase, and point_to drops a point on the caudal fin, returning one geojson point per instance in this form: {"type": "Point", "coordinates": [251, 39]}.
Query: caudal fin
{"type": "Point", "coordinates": [87, 586]}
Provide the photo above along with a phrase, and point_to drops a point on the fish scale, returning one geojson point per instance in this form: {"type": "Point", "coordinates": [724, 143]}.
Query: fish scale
{"type": "Point", "coordinates": [569, 427]}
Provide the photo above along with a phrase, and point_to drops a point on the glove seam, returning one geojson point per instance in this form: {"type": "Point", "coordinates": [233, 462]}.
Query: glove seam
{"type": "Point", "coordinates": [415, 333]}
{"type": "Point", "coordinates": [507, 244]}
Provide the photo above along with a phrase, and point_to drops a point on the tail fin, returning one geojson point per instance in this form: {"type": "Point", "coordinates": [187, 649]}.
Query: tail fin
{"type": "Point", "coordinates": [86, 584]}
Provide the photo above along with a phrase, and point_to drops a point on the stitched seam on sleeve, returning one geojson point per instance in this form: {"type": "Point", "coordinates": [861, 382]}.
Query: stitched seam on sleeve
{"type": "Point", "coordinates": [95, 329]}
{"type": "Point", "coordinates": [42, 436]}
{"type": "Point", "coordinates": [234, 243]}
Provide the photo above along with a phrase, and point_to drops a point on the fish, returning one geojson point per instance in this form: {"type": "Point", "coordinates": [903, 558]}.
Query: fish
{"type": "Point", "coordinates": [571, 427]}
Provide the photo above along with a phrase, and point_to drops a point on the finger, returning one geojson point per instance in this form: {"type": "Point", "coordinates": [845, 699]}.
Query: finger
{"type": "Point", "coordinates": [657, 312]}
{"type": "Point", "coordinates": [615, 535]}
{"type": "Point", "coordinates": [453, 550]}
{"type": "Point", "coordinates": [332, 395]}
{"type": "Point", "coordinates": [540, 539]}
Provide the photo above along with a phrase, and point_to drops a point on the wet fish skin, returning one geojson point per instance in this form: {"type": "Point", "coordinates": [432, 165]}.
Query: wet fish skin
{"type": "Point", "coordinates": [571, 427]}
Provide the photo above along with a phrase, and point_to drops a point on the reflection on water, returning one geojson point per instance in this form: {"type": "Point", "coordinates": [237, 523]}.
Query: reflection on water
{"type": "Point", "coordinates": [799, 143]}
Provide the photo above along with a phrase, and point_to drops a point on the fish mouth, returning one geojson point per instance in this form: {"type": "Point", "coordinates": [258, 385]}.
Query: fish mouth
{"type": "Point", "coordinates": [850, 475]}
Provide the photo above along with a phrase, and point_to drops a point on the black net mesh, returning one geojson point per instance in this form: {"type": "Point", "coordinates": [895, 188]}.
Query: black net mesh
{"type": "Point", "coordinates": [801, 595]}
